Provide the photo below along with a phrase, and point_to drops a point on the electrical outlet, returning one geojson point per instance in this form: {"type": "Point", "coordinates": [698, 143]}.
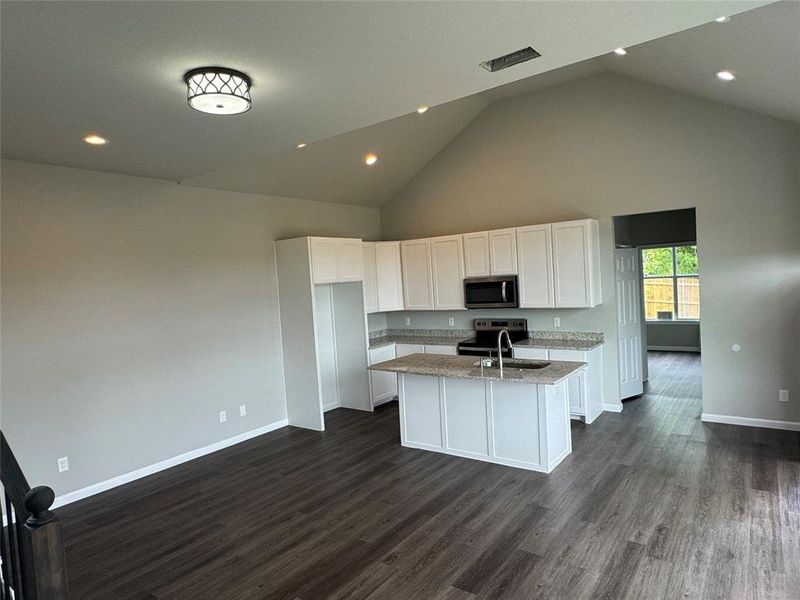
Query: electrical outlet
{"type": "Point", "coordinates": [451, 321]}
{"type": "Point", "coordinates": [223, 416]}
{"type": "Point", "coordinates": [556, 321]}
{"type": "Point", "coordinates": [63, 464]}
{"type": "Point", "coordinates": [243, 410]}
{"type": "Point", "coordinates": [783, 395]}
{"type": "Point", "coordinates": [408, 321]}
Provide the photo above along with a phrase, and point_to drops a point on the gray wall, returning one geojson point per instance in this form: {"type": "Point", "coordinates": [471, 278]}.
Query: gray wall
{"type": "Point", "coordinates": [134, 310]}
{"type": "Point", "coordinates": [673, 335]}
{"type": "Point", "coordinates": [609, 145]}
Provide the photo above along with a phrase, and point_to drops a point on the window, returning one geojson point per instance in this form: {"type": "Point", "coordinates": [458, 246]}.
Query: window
{"type": "Point", "coordinates": [671, 283]}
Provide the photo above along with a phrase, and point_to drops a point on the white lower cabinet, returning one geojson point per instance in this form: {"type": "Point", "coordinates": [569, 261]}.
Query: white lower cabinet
{"type": "Point", "coordinates": [585, 388]}
{"type": "Point", "coordinates": [383, 385]}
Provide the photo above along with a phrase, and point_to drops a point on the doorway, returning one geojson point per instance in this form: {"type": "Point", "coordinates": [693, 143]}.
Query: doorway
{"type": "Point", "coordinates": [658, 299]}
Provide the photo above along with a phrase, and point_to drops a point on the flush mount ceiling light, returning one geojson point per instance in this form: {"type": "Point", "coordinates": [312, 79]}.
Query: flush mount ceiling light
{"type": "Point", "coordinates": [726, 75]}
{"type": "Point", "coordinates": [94, 140]}
{"type": "Point", "coordinates": [422, 109]}
{"type": "Point", "coordinates": [218, 91]}
{"type": "Point", "coordinates": [301, 145]}
{"type": "Point", "coordinates": [722, 20]}
{"type": "Point", "coordinates": [620, 51]}
{"type": "Point", "coordinates": [370, 159]}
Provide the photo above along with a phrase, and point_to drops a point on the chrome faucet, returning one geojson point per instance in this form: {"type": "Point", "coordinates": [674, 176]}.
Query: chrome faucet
{"type": "Point", "coordinates": [500, 348]}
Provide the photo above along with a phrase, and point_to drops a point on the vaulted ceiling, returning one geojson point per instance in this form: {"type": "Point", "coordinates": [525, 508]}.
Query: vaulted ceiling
{"type": "Point", "coordinates": [344, 77]}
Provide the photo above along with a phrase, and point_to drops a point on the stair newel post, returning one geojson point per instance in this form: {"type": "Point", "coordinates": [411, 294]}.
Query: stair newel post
{"type": "Point", "coordinates": [43, 541]}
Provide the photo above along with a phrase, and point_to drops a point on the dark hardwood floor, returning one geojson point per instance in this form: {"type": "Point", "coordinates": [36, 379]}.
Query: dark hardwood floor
{"type": "Point", "coordinates": [652, 503]}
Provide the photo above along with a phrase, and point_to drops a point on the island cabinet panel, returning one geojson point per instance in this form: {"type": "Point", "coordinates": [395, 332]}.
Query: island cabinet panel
{"type": "Point", "coordinates": [420, 418]}
{"type": "Point", "coordinates": [466, 422]}
{"type": "Point", "coordinates": [515, 415]}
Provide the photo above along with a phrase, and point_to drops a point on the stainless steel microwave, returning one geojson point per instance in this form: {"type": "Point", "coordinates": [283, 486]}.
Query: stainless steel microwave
{"type": "Point", "coordinates": [491, 292]}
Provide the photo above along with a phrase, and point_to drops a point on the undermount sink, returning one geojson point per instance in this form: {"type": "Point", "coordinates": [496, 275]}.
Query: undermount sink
{"type": "Point", "coordinates": [511, 363]}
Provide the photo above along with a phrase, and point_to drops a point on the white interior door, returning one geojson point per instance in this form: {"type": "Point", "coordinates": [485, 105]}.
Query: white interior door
{"type": "Point", "coordinates": [629, 322]}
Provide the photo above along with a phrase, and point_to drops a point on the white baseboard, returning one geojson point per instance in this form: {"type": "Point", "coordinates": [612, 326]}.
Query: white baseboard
{"type": "Point", "coordinates": [674, 348]}
{"type": "Point", "coordinates": [102, 486]}
{"type": "Point", "coordinates": [751, 422]}
{"type": "Point", "coordinates": [617, 408]}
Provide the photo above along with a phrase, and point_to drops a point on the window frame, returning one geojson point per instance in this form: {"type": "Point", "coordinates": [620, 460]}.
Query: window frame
{"type": "Point", "coordinates": [674, 278]}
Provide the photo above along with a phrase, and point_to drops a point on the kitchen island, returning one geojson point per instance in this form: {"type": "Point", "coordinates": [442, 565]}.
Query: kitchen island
{"type": "Point", "coordinates": [453, 405]}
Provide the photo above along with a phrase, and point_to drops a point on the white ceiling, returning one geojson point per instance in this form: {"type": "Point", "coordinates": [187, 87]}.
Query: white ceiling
{"type": "Point", "coordinates": [319, 68]}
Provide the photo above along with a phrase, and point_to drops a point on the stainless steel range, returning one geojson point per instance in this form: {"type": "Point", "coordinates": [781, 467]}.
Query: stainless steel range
{"type": "Point", "coordinates": [485, 341]}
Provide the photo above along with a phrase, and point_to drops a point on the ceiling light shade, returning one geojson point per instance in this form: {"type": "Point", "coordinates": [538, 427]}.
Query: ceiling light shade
{"type": "Point", "coordinates": [620, 51]}
{"type": "Point", "coordinates": [422, 109]}
{"type": "Point", "coordinates": [722, 20]}
{"type": "Point", "coordinates": [370, 159]}
{"type": "Point", "coordinates": [94, 139]}
{"type": "Point", "coordinates": [726, 75]}
{"type": "Point", "coordinates": [218, 91]}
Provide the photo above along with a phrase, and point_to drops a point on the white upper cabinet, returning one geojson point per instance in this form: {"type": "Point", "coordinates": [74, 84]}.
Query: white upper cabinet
{"type": "Point", "coordinates": [535, 257]}
{"type": "Point", "coordinates": [389, 276]}
{"type": "Point", "coordinates": [335, 260]}
{"type": "Point", "coordinates": [447, 260]}
{"type": "Point", "coordinates": [349, 260]}
{"type": "Point", "coordinates": [490, 253]}
{"type": "Point", "coordinates": [370, 277]}
{"type": "Point", "coordinates": [417, 280]}
{"type": "Point", "coordinates": [476, 254]}
{"type": "Point", "coordinates": [576, 264]}
{"type": "Point", "coordinates": [503, 251]}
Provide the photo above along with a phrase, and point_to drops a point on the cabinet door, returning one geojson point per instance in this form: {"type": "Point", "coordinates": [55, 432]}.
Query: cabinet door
{"type": "Point", "coordinates": [406, 349]}
{"type": "Point", "coordinates": [476, 254]}
{"type": "Point", "coordinates": [370, 277]}
{"type": "Point", "coordinates": [323, 260]}
{"type": "Point", "coordinates": [576, 383]}
{"type": "Point", "coordinates": [503, 251]}
{"type": "Point", "coordinates": [530, 353]}
{"type": "Point", "coordinates": [417, 283]}
{"type": "Point", "coordinates": [535, 259]}
{"type": "Point", "coordinates": [571, 264]}
{"type": "Point", "coordinates": [349, 260]}
{"type": "Point", "coordinates": [389, 276]}
{"type": "Point", "coordinates": [436, 349]}
{"type": "Point", "coordinates": [447, 259]}
{"type": "Point", "coordinates": [383, 385]}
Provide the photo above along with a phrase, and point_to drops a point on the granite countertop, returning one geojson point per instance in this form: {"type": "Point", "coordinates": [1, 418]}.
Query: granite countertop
{"type": "Point", "coordinates": [463, 367]}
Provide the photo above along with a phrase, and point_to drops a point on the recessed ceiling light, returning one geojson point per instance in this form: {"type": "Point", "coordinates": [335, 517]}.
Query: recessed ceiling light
{"type": "Point", "coordinates": [94, 139]}
{"type": "Point", "coordinates": [218, 91]}
{"type": "Point", "coordinates": [422, 109]}
{"type": "Point", "coordinates": [620, 51]}
{"type": "Point", "coordinates": [301, 145]}
{"type": "Point", "coordinates": [370, 159]}
{"type": "Point", "coordinates": [726, 75]}
{"type": "Point", "coordinates": [722, 19]}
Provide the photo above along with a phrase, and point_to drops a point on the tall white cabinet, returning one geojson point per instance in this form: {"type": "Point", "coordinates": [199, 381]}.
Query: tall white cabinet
{"type": "Point", "coordinates": [576, 264]}
{"type": "Point", "coordinates": [383, 278]}
{"type": "Point", "coordinates": [323, 327]}
{"type": "Point", "coordinates": [535, 259]}
{"type": "Point", "coordinates": [417, 280]}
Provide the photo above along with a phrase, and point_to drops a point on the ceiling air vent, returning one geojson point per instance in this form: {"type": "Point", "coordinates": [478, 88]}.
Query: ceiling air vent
{"type": "Point", "coordinates": [509, 60]}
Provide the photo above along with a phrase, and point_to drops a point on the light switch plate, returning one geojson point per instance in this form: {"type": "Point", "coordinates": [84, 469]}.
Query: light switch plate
{"type": "Point", "coordinates": [63, 464]}
{"type": "Point", "coordinates": [556, 321]}
{"type": "Point", "coordinates": [243, 410]}
{"type": "Point", "coordinates": [408, 320]}
{"type": "Point", "coordinates": [783, 395]}
{"type": "Point", "coordinates": [451, 321]}
{"type": "Point", "coordinates": [223, 416]}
